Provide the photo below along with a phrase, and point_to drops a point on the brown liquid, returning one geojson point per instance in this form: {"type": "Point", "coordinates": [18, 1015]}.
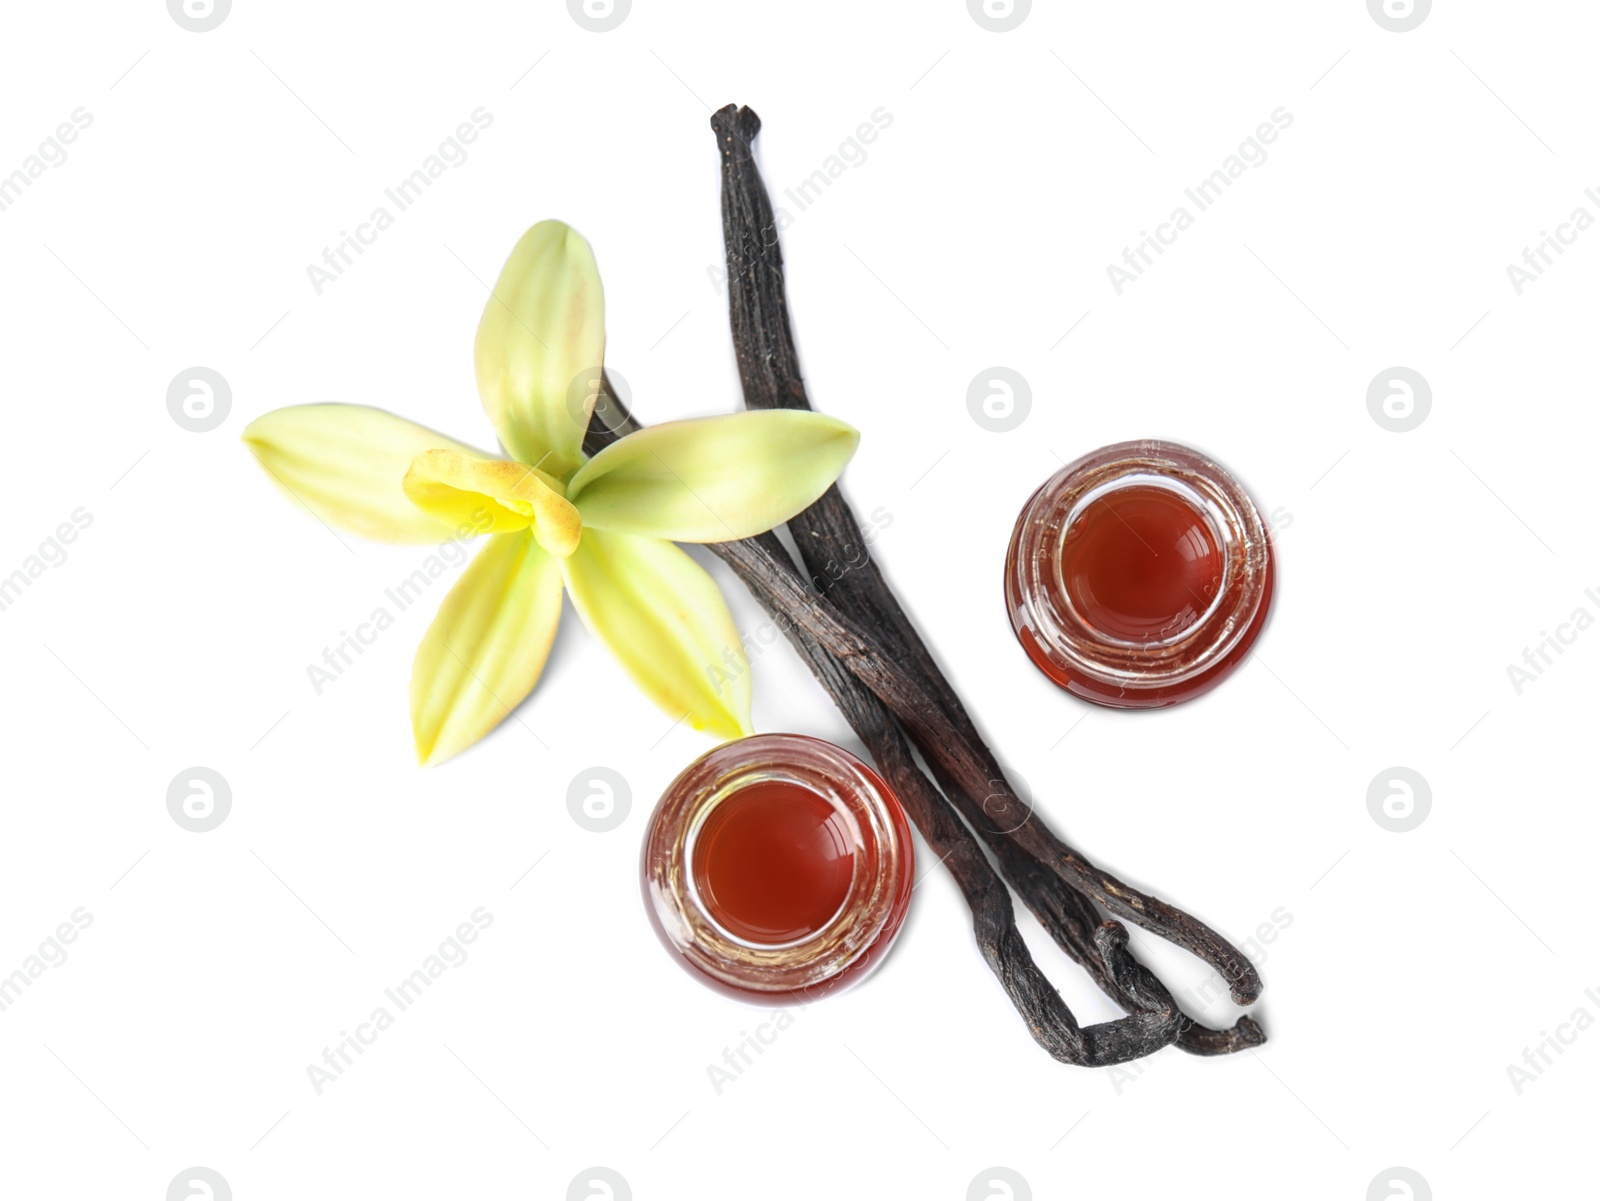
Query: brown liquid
{"type": "Point", "coordinates": [773, 862]}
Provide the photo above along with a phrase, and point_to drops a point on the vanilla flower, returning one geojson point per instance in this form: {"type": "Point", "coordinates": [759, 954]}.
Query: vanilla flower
{"type": "Point", "coordinates": [602, 527]}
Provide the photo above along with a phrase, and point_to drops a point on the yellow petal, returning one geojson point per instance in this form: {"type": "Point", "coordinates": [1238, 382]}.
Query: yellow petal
{"type": "Point", "coordinates": [665, 619]}
{"type": "Point", "coordinates": [345, 463]}
{"type": "Point", "coordinates": [541, 343]}
{"type": "Point", "coordinates": [486, 647]}
{"type": "Point", "coordinates": [713, 479]}
{"type": "Point", "coordinates": [496, 494]}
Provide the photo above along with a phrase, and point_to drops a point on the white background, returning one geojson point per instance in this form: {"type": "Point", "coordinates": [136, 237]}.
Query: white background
{"type": "Point", "coordinates": [1415, 567]}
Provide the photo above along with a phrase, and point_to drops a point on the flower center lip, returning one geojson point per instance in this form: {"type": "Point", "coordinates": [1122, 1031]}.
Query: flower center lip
{"type": "Point", "coordinates": [502, 494]}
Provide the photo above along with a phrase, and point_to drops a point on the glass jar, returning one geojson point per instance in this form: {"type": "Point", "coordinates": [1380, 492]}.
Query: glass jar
{"type": "Point", "coordinates": [1139, 575]}
{"type": "Point", "coordinates": [778, 868]}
